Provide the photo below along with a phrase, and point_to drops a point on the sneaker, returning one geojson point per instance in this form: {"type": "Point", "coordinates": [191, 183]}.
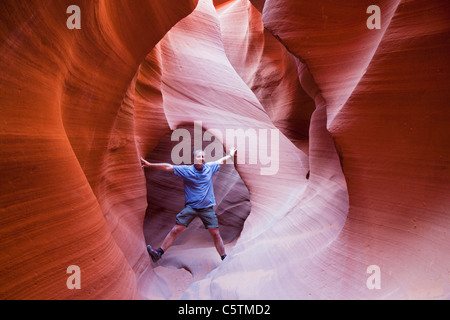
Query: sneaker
{"type": "Point", "coordinates": [154, 254]}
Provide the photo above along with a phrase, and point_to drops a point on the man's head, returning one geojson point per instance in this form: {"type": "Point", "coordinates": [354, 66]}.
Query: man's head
{"type": "Point", "coordinates": [199, 157]}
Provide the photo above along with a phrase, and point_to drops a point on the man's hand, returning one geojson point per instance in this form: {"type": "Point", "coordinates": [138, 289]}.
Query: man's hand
{"type": "Point", "coordinates": [233, 152]}
{"type": "Point", "coordinates": [228, 156]}
{"type": "Point", "coordinates": [144, 163]}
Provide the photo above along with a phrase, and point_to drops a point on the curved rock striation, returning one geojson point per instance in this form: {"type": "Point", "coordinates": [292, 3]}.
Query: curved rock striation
{"type": "Point", "coordinates": [345, 169]}
{"type": "Point", "coordinates": [385, 95]}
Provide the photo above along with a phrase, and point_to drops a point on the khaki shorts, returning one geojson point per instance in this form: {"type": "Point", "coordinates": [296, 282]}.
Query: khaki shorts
{"type": "Point", "coordinates": [207, 215]}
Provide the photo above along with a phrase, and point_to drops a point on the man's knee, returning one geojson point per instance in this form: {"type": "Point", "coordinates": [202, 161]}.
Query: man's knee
{"type": "Point", "coordinates": [177, 229]}
{"type": "Point", "coordinates": [214, 233]}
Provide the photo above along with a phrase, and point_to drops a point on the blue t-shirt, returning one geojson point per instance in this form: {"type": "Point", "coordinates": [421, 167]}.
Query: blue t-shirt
{"type": "Point", "coordinates": [198, 186]}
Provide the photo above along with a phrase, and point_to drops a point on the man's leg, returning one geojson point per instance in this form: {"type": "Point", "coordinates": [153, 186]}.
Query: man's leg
{"type": "Point", "coordinates": [183, 219]}
{"type": "Point", "coordinates": [172, 235]}
{"type": "Point", "coordinates": [218, 242]}
{"type": "Point", "coordinates": [168, 241]}
{"type": "Point", "coordinates": [211, 223]}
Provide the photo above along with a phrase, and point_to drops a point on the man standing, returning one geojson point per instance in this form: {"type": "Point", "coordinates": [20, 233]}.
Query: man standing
{"type": "Point", "coordinates": [199, 199]}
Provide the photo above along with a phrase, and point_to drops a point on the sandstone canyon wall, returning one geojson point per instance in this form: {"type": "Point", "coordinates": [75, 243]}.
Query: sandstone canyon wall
{"type": "Point", "coordinates": [359, 173]}
{"type": "Point", "coordinates": [72, 186]}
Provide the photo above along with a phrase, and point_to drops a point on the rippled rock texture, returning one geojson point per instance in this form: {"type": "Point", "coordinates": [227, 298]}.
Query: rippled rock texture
{"type": "Point", "coordinates": [353, 204]}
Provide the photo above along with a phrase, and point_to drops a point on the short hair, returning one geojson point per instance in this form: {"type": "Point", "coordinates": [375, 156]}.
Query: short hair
{"type": "Point", "coordinates": [196, 151]}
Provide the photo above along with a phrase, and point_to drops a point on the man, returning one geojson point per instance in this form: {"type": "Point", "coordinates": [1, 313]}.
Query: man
{"type": "Point", "coordinates": [199, 199]}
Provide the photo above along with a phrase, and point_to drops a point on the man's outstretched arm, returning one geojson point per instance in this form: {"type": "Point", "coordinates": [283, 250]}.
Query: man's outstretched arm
{"type": "Point", "coordinates": [228, 156]}
{"type": "Point", "coordinates": [160, 166]}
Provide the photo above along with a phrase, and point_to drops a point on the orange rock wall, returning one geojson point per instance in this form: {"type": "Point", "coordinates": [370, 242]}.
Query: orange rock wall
{"type": "Point", "coordinates": [72, 189]}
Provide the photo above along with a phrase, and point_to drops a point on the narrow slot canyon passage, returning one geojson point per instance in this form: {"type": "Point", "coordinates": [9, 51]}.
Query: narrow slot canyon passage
{"type": "Point", "coordinates": [188, 69]}
{"type": "Point", "coordinates": [340, 187]}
